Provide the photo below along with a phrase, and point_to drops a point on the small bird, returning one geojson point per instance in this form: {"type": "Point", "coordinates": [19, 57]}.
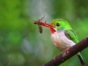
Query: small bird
{"type": "Point", "coordinates": [63, 36]}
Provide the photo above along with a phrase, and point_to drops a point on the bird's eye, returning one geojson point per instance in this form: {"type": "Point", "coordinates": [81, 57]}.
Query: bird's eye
{"type": "Point", "coordinates": [57, 24]}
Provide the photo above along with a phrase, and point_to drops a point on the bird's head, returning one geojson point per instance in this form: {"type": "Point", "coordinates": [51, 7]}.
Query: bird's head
{"type": "Point", "coordinates": [60, 24]}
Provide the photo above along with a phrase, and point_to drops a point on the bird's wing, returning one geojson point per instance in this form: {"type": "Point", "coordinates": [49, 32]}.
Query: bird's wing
{"type": "Point", "coordinates": [71, 35]}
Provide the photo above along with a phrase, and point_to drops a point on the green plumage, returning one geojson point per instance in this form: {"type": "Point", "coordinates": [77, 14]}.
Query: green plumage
{"type": "Point", "coordinates": [71, 35]}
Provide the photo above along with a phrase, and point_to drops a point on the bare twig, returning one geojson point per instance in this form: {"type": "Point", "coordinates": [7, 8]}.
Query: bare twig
{"type": "Point", "coordinates": [68, 53]}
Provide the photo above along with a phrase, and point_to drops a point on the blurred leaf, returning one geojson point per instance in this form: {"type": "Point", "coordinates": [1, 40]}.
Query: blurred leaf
{"type": "Point", "coordinates": [15, 59]}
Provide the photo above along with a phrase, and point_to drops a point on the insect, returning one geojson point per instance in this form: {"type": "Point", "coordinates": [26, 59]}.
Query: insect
{"type": "Point", "coordinates": [39, 25]}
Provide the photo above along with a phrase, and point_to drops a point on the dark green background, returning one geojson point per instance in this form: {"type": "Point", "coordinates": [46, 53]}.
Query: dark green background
{"type": "Point", "coordinates": [21, 44]}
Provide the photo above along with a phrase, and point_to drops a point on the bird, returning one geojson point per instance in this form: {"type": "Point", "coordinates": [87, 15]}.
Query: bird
{"type": "Point", "coordinates": [64, 37]}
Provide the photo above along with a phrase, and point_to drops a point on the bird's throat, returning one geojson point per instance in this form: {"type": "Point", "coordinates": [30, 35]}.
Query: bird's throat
{"type": "Point", "coordinates": [52, 30]}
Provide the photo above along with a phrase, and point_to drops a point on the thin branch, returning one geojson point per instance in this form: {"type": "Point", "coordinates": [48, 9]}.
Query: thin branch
{"type": "Point", "coordinates": [68, 53]}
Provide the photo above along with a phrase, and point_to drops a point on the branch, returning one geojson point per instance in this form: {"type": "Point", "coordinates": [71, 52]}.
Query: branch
{"type": "Point", "coordinates": [68, 53]}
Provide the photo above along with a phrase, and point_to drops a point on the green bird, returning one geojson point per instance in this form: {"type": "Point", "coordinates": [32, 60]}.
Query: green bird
{"type": "Point", "coordinates": [63, 36]}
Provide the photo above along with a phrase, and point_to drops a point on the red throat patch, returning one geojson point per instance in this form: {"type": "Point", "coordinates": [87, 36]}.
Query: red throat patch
{"type": "Point", "coordinates": [52, 30]}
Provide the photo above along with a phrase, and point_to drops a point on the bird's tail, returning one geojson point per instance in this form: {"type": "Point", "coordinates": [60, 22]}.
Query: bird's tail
{"type": "Point", "coordinates": [81, 59]}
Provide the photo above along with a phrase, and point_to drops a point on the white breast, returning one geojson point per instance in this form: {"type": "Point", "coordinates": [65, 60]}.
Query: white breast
{"type": "Point", "coordinates": [61, 41]}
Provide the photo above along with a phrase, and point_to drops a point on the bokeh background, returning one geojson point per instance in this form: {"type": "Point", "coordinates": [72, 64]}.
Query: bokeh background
{"type": "Point", "coordinates": [21, 44]}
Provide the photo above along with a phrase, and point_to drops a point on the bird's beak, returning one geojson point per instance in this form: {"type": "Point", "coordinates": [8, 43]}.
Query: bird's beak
{"type": "Point", "coordinates": [53, 25]}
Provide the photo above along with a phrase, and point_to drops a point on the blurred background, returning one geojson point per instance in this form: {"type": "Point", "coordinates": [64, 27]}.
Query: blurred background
{"type": "Point", "coordinates": [21, 44]}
